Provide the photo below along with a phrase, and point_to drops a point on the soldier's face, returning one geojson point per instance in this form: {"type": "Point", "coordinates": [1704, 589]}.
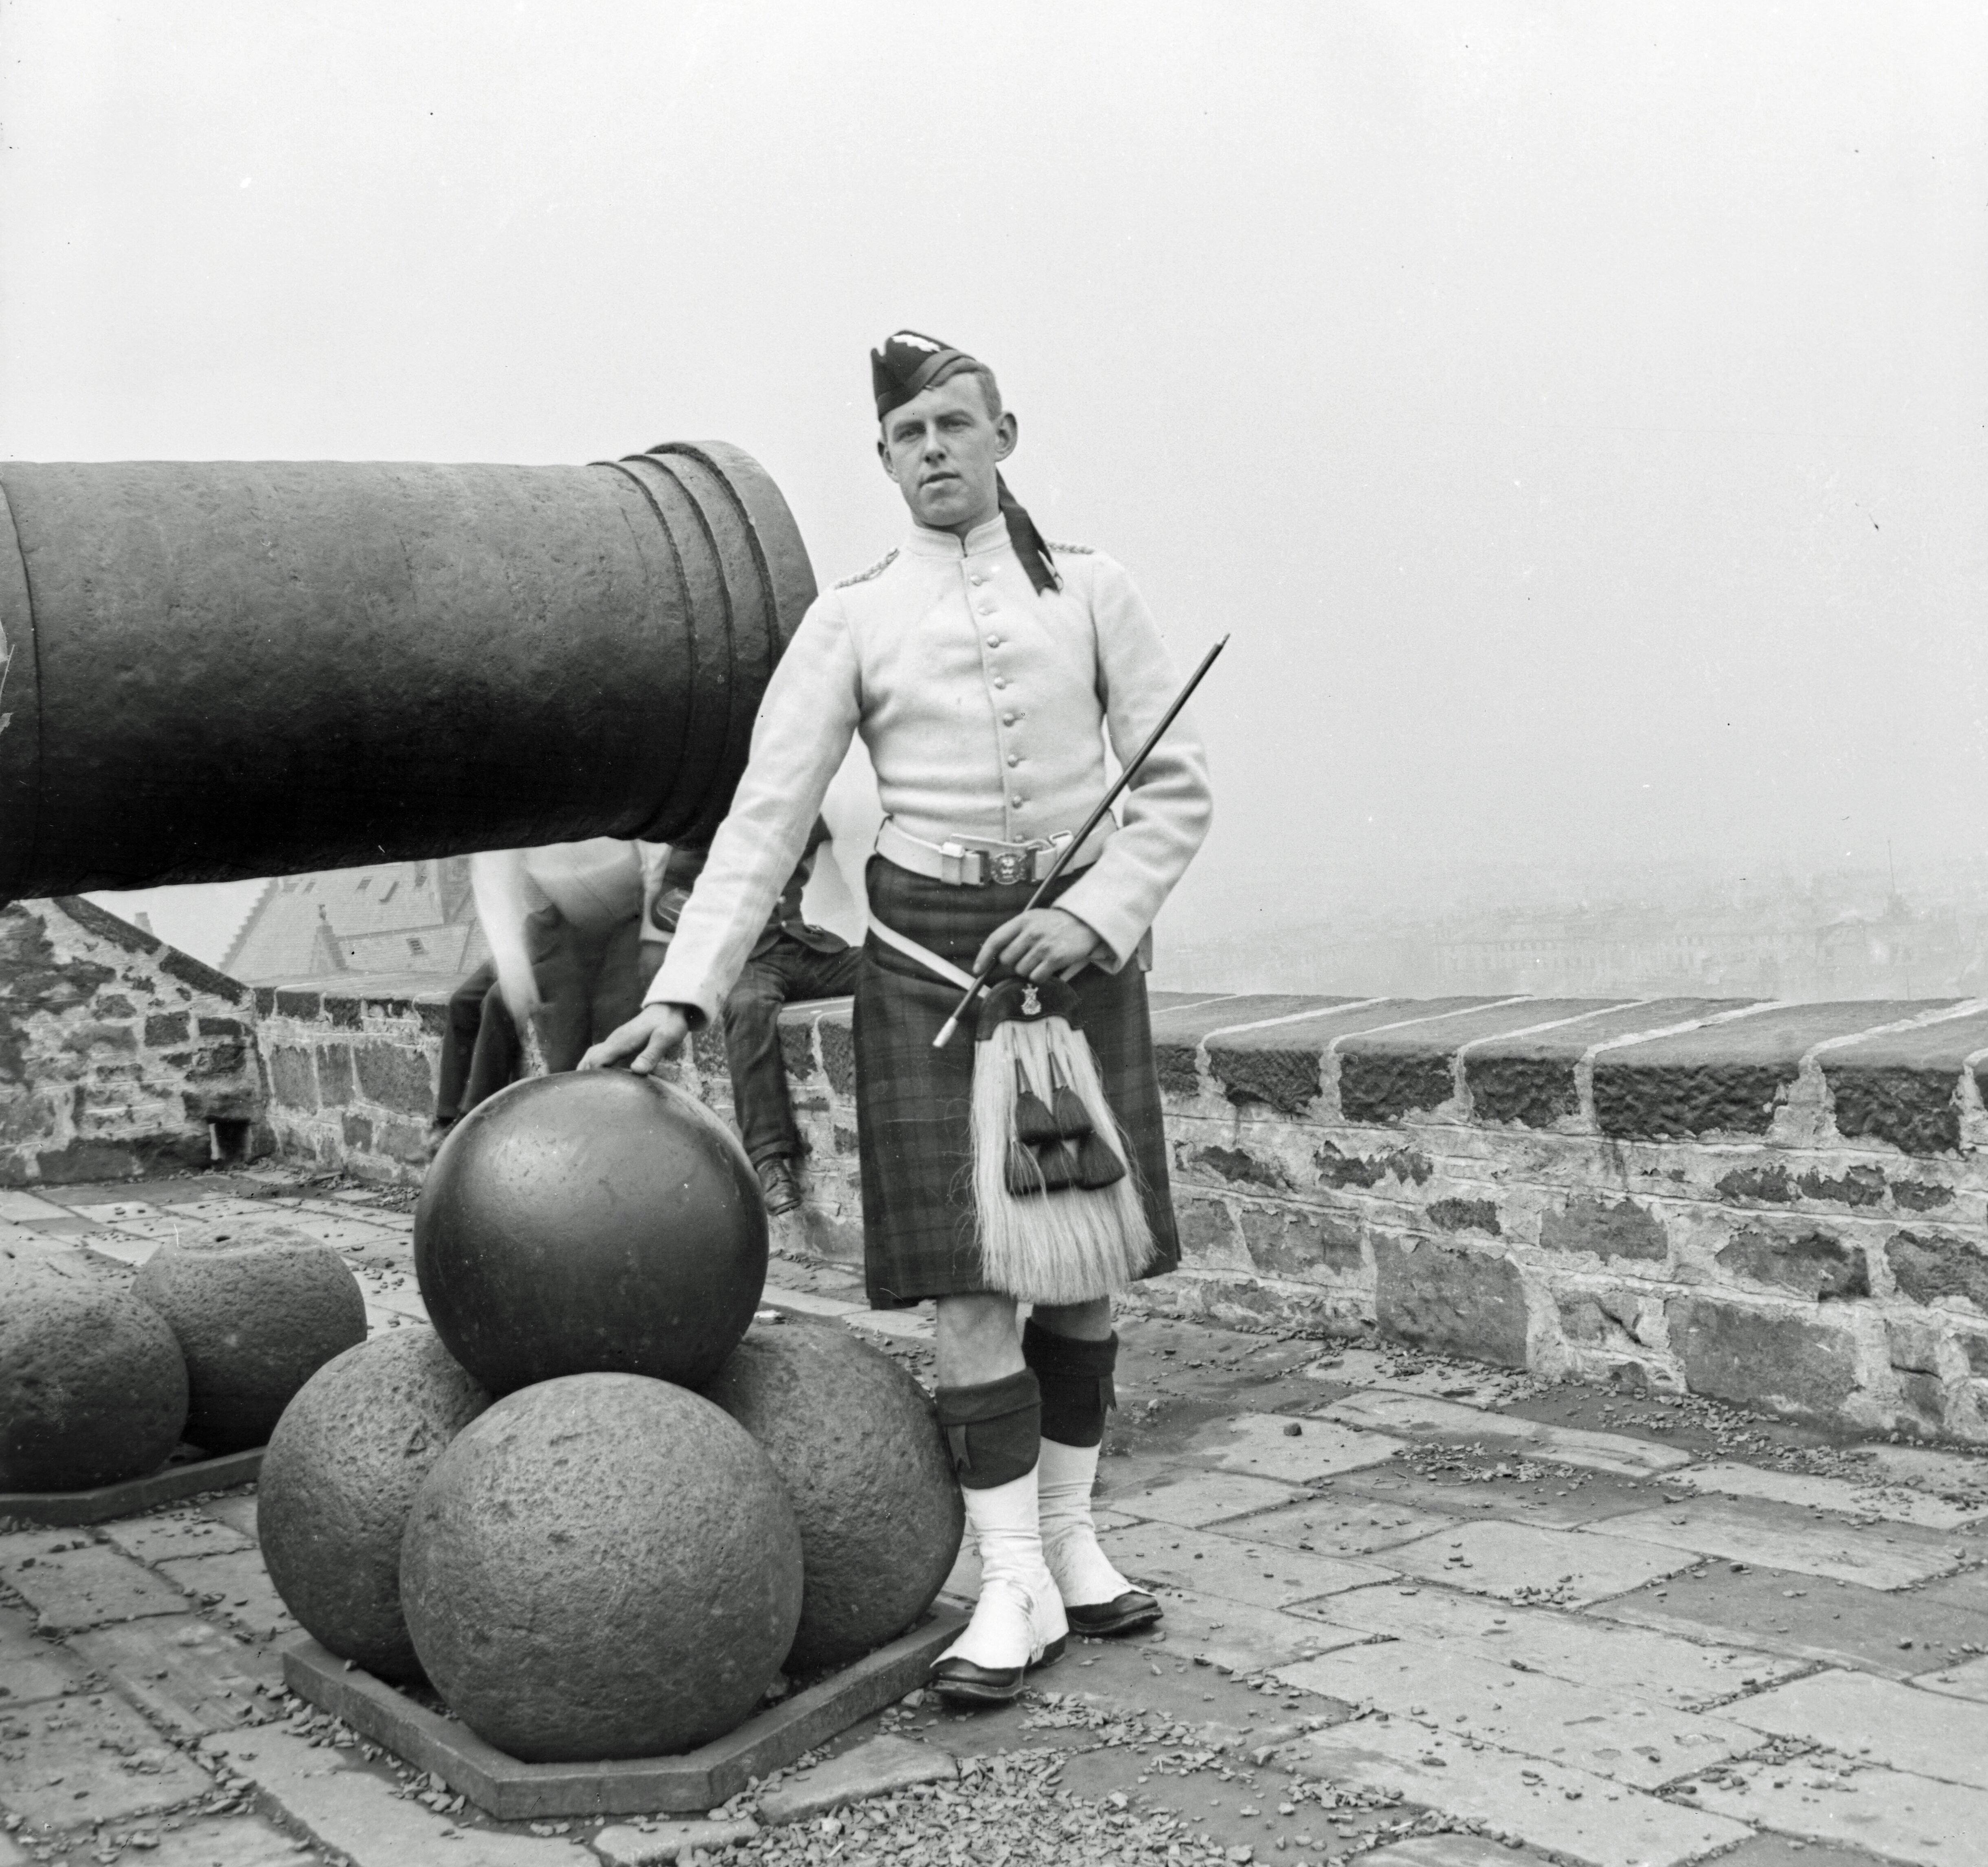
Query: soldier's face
{"type": "Point", "coordinates": [943, 450]}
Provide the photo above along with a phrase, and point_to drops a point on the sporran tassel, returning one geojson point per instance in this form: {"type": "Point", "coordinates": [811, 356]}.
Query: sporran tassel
{"type": "Point", "coordinates": [1034, 1122]}
{"type": "Point", "coordinates": [1073, 1120]}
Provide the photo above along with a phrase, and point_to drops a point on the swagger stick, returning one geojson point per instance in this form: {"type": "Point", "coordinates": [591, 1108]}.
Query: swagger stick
{"type": "Point", "coordinates": [1077, 842]}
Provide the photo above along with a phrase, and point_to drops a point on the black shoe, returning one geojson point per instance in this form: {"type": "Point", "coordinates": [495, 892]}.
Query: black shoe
{"type": "Point", "coordinates": [1125, 1614]}
{"type": "Point", "coordinates": [777, 1183]}
{"type": "Point", "coordinates": [963, 1683]}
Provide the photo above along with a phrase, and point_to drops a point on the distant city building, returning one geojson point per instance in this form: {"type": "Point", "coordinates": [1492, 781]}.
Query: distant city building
{"type": "Point", "coordinates": [399, 917]}
{"type": "Point", "coordinates": [1791, 948]}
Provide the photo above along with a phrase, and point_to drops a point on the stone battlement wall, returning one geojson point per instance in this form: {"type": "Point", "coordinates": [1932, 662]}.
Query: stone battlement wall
{"type": "Point", "coordinates": [119, 1056]}
{"type": "Point", "coordinates": [1782, 1205]}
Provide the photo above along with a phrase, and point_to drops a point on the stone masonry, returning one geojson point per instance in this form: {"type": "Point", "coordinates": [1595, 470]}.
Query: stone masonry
{"type": "Point", "coordinates": [1782, 1206]}
{"type": "Point", "coordinates": [120, 1057]}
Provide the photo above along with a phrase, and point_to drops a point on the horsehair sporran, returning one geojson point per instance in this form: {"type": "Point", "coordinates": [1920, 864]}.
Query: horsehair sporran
{"type": "Point", "coordinates": [1065, 1246]}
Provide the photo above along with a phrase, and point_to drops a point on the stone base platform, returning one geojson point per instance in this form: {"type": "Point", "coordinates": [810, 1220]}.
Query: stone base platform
{"type": "Point", "coordinates": [169, 1484]}
{"type": "Point", "coordinates": [699, 1780]}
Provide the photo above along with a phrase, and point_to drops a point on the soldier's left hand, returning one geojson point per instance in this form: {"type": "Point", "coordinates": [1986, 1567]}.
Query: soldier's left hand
{"type": "Point", "coordinates": [1046, 943]}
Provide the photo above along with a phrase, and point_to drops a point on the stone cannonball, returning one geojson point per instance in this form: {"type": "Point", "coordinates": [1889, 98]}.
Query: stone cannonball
{"type": "Point", "coordinates": [857, 1444]}
{"type": "Point", "coordinates": [601, 1566]}
{"type": "Point", "coordinates": [256, 1318]}
{"type": "Point", "coordinates": [339, 1479]}
{"type": "Point", "coordinates": [92, 1385]}
{"type": "Point", "coordinates": [591, 1223]}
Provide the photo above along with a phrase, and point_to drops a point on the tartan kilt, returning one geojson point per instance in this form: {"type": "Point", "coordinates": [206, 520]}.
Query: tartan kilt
{"type": "Point", "coordinates": [913, 1102]}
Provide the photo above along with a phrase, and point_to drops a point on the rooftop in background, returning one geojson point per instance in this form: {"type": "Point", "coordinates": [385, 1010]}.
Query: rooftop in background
{"type": "Point", "coordinates": [398, 918]}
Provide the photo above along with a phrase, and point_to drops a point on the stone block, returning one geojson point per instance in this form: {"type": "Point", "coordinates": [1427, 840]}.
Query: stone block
{"type": "Point", "coordinates": [293, 1078]}
{"type": "Point", "coordinates": [1769, 1185]}
{"type": "Point", "coordinates": [32, 1669]}
{"type": "Point", "coordinates": [1280, 1070]}
{"type": "Point", "coordinates": [218, 1057]}
{"type": "Point", "coordinates": [1208, 1231]}
{"type": "Point", "coordinates": [1913, 1345]}
{"type": "Point", "coordinates": [72, 1586]}
{"type": "Point", "coordinates": [1406, 1165]}
{"type": "Point", "coordinates": [1178, 1035]}
{"type": "Point", "coordinates": [187, 1674]}
{"type": "Point", "coordinates": [356, 1132]}
{"type": "Point", "coordinates": [113, 1005]}
{"type": "Point", "coordinates": [1814, 1264]}
{"type": "Point", "coordinates": [1525, 1562]}
{"type": "Point", "coordinates": [72, 1762]}
{"type": "Point", "coordinates": [165, 1029]}
{"type": "Point", "coordinates": [1929, 1265]}
{"type": "Point", "coordinates": [344, 1010]}
{"type": "Point", "coordinates": [838, 1055]}
{"type": "Point", "coordinates": [85, 1036]}
{"type": "Point", "coordinates": [1920, 1195]}
{"type": "Point", "coordinates": [1240, 1167]}
{"type": "Point", "coordinates": [292, 1002]}
{"type": "Point", "coordinates": [221, 1027]}
{"type": "Point", "coordinates": [1465, 1302]}
{"type": "Point", "coordinates": [1855, 1186]}
{"type": "Point", "coordinates": [622, 1846]}
{"type": "Point", "coordinates": [1233, 1566]}
{"type": "Point", "coordinates": [394, 1076]}
{"type": "Point", "coordinates": [1458, 1215]}
{"type": "Point", "coordinates": [1903, 1087]}
{"type": "Point", "coordinates": [872, 1768]}
{"type": "Point", "coordinates": [1724, 1078]}
{"type": "Point", "coordinates": [140, 1157]}
{"type": "Point", "coordinates": [1387, 1081]}
{"type": "Point", "coordinates": [1618, 1228]}
{"type": "Point", "coordinates": [230, 1103]}
{"type": "Point", "coordinates": [1762, 1358]}
{"type": "Point", "coordinates": [1298, 1241]}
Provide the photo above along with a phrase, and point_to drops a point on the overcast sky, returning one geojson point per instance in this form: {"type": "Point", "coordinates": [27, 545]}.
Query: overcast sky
{"type": "Point", "coordinates": [1576, 412]}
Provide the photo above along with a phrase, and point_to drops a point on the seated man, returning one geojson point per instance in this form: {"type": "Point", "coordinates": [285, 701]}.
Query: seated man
{"type": "Point", "coordinates": [791, 959]}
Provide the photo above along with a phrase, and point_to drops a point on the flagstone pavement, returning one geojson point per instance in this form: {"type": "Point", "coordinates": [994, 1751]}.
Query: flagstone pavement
{"type": "Point", "coordinates": [1419, 1613]}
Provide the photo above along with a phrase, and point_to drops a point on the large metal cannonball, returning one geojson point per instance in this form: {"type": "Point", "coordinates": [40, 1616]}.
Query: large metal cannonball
{"type": "Point", "coordinates": [339, 1479]}
{"type": "Point", "coordinates": [595, 1222]}
{"type": "Point", "coordinates": [256, 1318]}
{"type": "Point", "coordinates": [92, 1385]}
{"type": "Point", "coordinates": [601, 1566]}
{"type": "Point", "coordinates": [857, 1444]}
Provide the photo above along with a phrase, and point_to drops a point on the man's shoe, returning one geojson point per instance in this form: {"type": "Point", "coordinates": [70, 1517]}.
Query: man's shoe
{"type": "Point", "coordinates": [1097, 1599]}
{"type": "Point", "coordinates": [777, 1182]}
{"type": "Point", "coordinates": [1018, 1623]}
{"type": "Point", "coordinates": [1132, 1611]}
{"type": "Point", "coordinates": [961, 1682]}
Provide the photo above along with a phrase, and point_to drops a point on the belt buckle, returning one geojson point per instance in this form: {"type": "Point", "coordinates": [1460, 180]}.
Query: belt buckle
{"type": "Point", "coordinates": [1008, 865]}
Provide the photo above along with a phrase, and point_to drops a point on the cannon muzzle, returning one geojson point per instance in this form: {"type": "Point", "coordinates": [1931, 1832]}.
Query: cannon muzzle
{"type": "Point", "coordinates": [216, 670]}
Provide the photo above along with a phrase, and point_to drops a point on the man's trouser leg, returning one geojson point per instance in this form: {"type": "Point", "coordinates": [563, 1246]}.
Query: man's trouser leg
{"type": "Point", "coordinates": [788, 972]}
{"type": "Point", "coordinates": [1075, 1379]}
{"type": "Point", "coordinates": [493, 1065]}
{"type": "Point", "coordinates": [459, 1043]}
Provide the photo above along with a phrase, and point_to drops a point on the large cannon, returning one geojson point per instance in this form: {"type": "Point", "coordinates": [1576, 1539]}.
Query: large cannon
{"type": "Point", "coordinates": [217, 670]}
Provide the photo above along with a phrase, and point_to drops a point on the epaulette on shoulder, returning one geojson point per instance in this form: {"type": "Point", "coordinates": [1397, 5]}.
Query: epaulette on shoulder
{"type": "Point", "coordinates": [1081, 550]}
{"type": "Point", "coordinates": [875, 570]}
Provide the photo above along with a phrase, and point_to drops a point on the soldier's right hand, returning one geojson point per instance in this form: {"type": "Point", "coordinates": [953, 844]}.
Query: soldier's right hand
{"type": "Point", "coordinates": [655, 1032]}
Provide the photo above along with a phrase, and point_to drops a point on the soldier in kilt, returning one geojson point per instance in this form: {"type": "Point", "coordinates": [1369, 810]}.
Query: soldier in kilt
{"type": "Point", "coordinates": [986, 671]}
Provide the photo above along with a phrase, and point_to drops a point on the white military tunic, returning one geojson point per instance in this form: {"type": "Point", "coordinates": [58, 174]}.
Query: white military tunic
{"type": "Point", "coordinates": [985, 706]}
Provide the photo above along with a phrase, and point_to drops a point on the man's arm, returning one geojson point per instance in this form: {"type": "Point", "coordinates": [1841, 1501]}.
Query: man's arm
{"type": "Point", "coordinates": [806, 720]}
{"type": "Point", "coordinates": [1168, 805]}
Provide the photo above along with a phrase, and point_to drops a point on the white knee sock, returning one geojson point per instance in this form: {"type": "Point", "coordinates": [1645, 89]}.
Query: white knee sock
{"type": "Point", "coordinates": [1019, 1612]}
{"type": "Point", "coordinates": [1084, 1577]}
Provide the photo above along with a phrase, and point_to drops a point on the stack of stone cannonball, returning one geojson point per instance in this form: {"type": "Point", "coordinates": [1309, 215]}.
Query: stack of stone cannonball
{"type": "Point", "coordinates": [99, 1384]}
{"type": "Point", "coordinates": [603, 1561]}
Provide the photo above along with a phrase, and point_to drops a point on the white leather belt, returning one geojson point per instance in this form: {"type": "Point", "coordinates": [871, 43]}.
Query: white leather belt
{"type": "Point", "coordinates": [981, 865]}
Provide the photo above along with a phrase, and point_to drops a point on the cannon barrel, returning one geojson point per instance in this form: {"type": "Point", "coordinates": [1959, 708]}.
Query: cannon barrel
{"type": "Point", "coordinates": [215, 670]}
